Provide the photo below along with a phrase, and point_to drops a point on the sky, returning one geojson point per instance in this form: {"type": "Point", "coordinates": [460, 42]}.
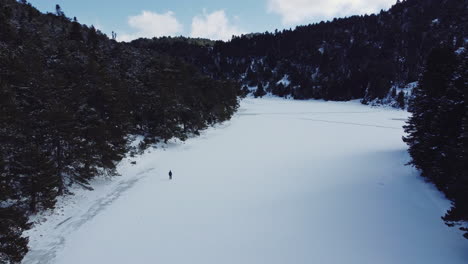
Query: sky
{"type": "Point", "coordinates": [213, 19]}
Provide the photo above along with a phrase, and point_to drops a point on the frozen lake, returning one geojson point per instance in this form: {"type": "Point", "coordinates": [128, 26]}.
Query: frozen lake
{"type": "Point", "coordinates": [290, 182]}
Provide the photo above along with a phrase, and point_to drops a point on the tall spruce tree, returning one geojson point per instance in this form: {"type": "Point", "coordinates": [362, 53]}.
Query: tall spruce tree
{"type": "Point", "coordinates": [260, 92]}
{"type": "Point", "coordinates": [436, 130]}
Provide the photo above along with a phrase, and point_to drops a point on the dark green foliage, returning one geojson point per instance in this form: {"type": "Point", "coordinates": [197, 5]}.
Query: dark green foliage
{"type": "Point", "coordinates": [260, 92]}
{"type": "Point", "coordinates": [437, 134]}
{"type": "Point", "coordinates": [244, 92]}
{"type": "Point", "coordinates": [280, 90]}
{"type": "Point", "coordinates": [69, 99]}
{"type": "Point", "coordinates": [12, 246]}
{"type": "Point", "coordinates": [58, 11]}
{"type": "Point", "coordinates": [401, 99]}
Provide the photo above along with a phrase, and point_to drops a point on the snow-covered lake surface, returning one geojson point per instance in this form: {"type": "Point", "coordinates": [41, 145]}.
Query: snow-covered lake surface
{"type": "Point", "coordinates": [287, 182]}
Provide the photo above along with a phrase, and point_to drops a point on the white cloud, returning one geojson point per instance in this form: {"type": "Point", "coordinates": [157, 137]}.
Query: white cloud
{"type": "Point", "coordinates": [297, 11]}
{"type": "Point", "coordinates": [214, 26]}
{"type": "Point", "coordinates": [149, 24]}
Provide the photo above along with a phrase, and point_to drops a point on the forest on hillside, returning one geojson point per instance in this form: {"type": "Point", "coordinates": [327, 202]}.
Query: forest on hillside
{"type": "Point", "coordinates": [70, 101]}
{"type": "Point", "coordinates": [369, 57]}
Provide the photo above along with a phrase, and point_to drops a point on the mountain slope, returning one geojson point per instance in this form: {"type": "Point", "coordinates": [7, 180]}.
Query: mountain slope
{"type": "Point", "coordinates": [70, 98]}
{"type": "Point", "coordinates": [360, 57]}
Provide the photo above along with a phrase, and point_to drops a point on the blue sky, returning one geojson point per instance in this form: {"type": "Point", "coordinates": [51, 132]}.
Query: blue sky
{"type": "Point", "coordinates": [215, 19]}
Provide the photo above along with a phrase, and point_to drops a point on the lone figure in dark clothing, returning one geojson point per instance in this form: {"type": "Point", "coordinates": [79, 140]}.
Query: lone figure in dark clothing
{"type": "Point", "coordinates": [170, 175]}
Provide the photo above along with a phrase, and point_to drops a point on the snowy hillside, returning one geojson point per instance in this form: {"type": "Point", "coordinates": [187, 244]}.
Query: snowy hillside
{"type": "Point", "coordinates": [282, 182]}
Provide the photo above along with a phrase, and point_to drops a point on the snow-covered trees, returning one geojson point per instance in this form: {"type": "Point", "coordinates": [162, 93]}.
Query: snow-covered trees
{"type": "Point", "coordinates": [347, 58]}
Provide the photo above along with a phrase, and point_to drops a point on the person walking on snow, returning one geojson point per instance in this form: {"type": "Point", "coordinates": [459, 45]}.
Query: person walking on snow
{"type": "Point", "coordinates": [170, 175]}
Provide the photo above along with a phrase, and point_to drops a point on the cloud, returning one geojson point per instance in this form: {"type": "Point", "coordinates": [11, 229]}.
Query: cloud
{"type": "Point", "coordinates": [297, 11]}
{"type": "Point", "coordinates": [149, 24]}
{"type": "Point", "coordinates": [214, 26]}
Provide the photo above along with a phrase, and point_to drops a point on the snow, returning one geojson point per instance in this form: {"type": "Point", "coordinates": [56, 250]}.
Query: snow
{"type": "Point", "coordinates": [390, 100]}
{"type": "Point", "coordinates": [407, 89]}
{"type": "Point", "coordinates": [282, 182]}
{"type": "Point", "coordinates": [412, 85]}
{"type": "Point", "coordinates": [316, 73]}
{"type": "Point", "coordinates": [460, 50]}
{"type": "Point", "coordinates": [284, 81]}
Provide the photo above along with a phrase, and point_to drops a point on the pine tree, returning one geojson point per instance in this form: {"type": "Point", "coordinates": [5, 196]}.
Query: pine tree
{"type": "Point", "coordinates": [75, 32]}
{"type": "Point", "coordinates": [12, 245]}
{"type": "Point", "coordinates": [58, 11]}
{"type": "Point", "coordinates": [422, 127]}
{"type": "Point", "coordinates": [436, 130]}
{"type": "Point", "coordinates": [401, 99]}
{"type": "Point", "coordinates": [260, 92]}
{"type": "Point", "coordinates": [455, 145]}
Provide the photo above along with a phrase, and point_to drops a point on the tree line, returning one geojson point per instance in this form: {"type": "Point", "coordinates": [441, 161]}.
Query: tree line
{"type": "Point", "coordinates": [365, 57]}
{"type": "Point", "coordinates": [438, 128]}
